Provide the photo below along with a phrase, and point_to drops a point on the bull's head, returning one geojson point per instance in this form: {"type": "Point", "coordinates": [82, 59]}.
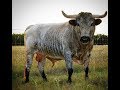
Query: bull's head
{"type": "Point", "coordinates": [86, 23]}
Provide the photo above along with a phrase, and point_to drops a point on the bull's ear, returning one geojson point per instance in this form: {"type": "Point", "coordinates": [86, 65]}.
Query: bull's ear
{"type": "Point", "coordinates": [73, 22]}
{"type": "Point", "coordinates": [98, 21]}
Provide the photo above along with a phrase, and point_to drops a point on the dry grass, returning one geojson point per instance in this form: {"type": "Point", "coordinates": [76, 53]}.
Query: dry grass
{"type": "Point", "coordinates": [57, 75]}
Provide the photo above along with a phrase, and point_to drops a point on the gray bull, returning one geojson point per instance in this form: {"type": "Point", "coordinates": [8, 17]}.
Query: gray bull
{"type": "Point", "coordinates": [70, 41]}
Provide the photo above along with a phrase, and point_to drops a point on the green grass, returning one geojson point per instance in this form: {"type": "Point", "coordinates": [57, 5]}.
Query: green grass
{"type": "Point", "coordinates": [57, 76]}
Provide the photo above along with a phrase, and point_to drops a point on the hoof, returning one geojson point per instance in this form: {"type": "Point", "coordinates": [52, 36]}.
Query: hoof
{"type": "Point", "coordinates": [86, 78]}
{"type": "Point", "coordinates": [27, 80]}
{"type": "Point", "coordinates": [45, 79]}
{"type": "Point", "coordinates": [69, 81]}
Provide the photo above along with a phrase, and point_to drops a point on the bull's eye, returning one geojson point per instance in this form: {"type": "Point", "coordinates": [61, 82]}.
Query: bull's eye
{"type": "Point", "coordinates": [93, 24]}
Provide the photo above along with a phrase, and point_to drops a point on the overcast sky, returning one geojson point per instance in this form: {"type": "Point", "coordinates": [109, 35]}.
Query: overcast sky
{"type": "Point", "coordinates": [28, 12]}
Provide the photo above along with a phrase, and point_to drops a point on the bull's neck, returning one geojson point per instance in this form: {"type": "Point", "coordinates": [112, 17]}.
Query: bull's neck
{"type": "Point", "coordinates": [75, 35]}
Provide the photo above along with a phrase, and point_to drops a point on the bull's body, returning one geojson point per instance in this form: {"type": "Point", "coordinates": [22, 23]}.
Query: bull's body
{"type": "Point", "coordinates": [53, 40]}
{"type": "Point", "coordinates": [50, 39]}
{"type": "Point", "coordinates": [60, 41]}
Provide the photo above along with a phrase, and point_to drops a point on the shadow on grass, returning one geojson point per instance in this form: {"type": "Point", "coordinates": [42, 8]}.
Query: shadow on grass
{"type": "Point", "coordinates": [63, 70]}
{"type": "Point", "coordinates": [55, 71]}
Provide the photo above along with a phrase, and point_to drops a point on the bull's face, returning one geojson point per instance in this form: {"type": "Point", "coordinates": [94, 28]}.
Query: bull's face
{"type": "Point", "coordinates": [85, 23]}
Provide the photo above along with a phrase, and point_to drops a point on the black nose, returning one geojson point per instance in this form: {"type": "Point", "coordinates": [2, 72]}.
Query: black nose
{"type": "Point", "coordinates": [85, 39]}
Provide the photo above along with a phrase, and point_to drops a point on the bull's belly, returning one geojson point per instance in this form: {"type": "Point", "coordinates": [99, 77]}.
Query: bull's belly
{"type": "Point", "coordinates": [56, 56]}
{"type": "Point", "coordinates": [53, 59]}
{"type": "Point", "coordinates": [78, 61]}
{"type": "Point", "coordinates": [52, 50]}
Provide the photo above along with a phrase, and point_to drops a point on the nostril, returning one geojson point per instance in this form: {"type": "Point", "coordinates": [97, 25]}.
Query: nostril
{"type": "Point", "coordinates": [85, 39]}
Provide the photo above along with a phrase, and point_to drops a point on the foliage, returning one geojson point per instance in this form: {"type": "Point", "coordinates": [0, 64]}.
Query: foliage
{"type": "Point", "coordinates": [101, 39]}
{"type": "Point", "coordinates": [18, 39]}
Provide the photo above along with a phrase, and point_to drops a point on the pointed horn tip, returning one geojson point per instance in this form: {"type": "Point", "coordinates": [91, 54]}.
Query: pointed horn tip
{"type": "Point", "coordinates": [62, 12]}
{"type": "Point", "coordinates": [105, 13]}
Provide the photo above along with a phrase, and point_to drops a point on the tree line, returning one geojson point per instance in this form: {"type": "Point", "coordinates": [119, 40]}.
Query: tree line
{"type": "Point", "coordinates": [99, 39]}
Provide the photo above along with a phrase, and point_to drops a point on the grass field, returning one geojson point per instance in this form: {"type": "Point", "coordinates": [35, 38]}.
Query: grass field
{"type": "Point", "coordinates": [57, 76]}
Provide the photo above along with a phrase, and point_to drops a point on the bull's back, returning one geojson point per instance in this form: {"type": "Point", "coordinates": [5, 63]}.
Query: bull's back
{"type": "Point", "coordinates": [48, 38]}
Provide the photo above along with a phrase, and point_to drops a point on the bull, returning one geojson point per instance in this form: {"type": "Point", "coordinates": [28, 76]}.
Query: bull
{"type": "Point", "coordinates": [69, 41]}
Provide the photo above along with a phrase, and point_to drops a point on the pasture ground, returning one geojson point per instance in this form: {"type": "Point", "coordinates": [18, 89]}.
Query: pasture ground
{"type": "Point", "coordinates": [57, 76]}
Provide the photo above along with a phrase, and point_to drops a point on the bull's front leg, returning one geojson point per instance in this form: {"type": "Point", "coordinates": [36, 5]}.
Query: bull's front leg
{"type": "Point", "coordinates": [68, 60]}
{"type": "Point", "coordinates": [86, 66]}
{"type": "Point", "coordinates": [86, 72]}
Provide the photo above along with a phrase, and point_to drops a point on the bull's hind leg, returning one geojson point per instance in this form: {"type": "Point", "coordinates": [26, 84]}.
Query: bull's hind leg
{"type": "Point", "coordinates": [29, 59]}
{"type": "Point", "coordinates": [41, 64]}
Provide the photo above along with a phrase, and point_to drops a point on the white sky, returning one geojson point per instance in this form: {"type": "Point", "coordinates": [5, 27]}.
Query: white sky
{"type": "Point", "coordinates": [27, 12]}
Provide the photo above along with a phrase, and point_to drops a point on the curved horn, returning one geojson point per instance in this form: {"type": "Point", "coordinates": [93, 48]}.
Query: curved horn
{"type": "Point", "coordinates": [69, 16]}
{"type": "Point", "coordinates": [100, 16]}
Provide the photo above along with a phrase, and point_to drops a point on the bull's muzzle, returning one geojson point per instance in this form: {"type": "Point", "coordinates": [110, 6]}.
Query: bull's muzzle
{"type": "Point", "coordinates": [85, 39]}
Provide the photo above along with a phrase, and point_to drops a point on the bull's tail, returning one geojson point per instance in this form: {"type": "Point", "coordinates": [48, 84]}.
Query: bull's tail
{"type": "Point", "coordinates": [29, 27]}
{"type": "Point", "coordinates": [26, 72]}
